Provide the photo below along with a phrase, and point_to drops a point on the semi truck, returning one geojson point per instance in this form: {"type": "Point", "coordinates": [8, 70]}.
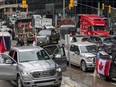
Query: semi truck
{"type": "Point", "coordinates": [91, 24]}
{"type": "Point", "coordinates": [23, 28]}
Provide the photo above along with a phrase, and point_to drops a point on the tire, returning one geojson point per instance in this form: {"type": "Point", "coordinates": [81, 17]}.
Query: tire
{"type": "Point", "coordinates": [83, 66]}
{"type": "Point", "coordinates": [19, 82]}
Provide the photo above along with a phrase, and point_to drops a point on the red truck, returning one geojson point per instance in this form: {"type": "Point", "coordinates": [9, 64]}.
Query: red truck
{"type": "Point", "coordinates": [91, 24]}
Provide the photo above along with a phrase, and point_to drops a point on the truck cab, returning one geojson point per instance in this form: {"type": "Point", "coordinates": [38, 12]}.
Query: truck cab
{"type": "Point", "coordinates": [90, 25]}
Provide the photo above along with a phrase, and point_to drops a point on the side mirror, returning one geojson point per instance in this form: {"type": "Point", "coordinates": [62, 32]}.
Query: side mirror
{"type": "Point", "coordinates": [76, 52]}
{"type": "Point", "coordinates": [9, 62]}
{"type": "Point", "coordinates": [57, 56]}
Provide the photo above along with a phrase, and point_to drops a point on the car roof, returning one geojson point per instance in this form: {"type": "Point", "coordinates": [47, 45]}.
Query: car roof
{"type": "Point", "coordinates": [27, 48]}
{"type": "Point", "coordinates": [82, 43]}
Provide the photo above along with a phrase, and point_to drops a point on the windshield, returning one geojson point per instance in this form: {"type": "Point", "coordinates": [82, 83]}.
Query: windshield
{"type": "Point", "coordinates": [88, 49]}
{"type": "Point", "coordinates": [101, 28]}
{"type": "Point", "coordinates": [109, 39]}
{"type": "Point", "coordinates": [33, 56]}
{"type": "Point", "coordinates": [44, 32]}
{"type": "Point", "coordinates": [101, 48]}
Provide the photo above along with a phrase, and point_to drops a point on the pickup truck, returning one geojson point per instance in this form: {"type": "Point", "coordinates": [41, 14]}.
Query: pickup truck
{"type": "Point", "coordinates": [47, 37]}
{"type": "Point", "coordinates": [30, 67]}
{"type": "Point", "coordinates": [82, 54]}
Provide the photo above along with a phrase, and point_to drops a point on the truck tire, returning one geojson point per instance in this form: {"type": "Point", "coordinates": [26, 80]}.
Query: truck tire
{"type": "Point", "coordinates": [19, 82]}
{"type": "Point", "coordinates": [83, 66]}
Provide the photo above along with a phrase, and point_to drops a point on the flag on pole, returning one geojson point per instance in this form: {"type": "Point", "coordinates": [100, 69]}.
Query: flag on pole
{"type": "Point", "coordinates": [2, 45]}
{"type": "Point", "coordinates": [34, 42]}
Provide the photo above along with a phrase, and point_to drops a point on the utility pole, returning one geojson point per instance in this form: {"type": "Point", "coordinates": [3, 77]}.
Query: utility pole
{"type": "Point", "coordinates": [98, 9]}
{"type": "Point", "coordinates": [63, 8]}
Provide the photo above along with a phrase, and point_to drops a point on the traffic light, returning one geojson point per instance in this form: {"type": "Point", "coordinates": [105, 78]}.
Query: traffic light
{"type": "Point", "coordinates": [71, 3]}
{"type": "Point", "coordinates": [102, 6]}
{"type": "Point", "coordinates": [24, 3]}
{"type": "Point", "coordinates": [109, 9]}
{"type": "Point", "coordinates": [69, 7]}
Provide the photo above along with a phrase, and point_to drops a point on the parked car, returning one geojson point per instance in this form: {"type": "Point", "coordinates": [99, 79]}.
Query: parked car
{"type": "Point", "coordinates": [62, 61]}
{"type": "Point", "coordinates": [30, 66]}
{"type": "Point", "coordinates": [114, 36]}
{"type": "Point", "coordinates": [103, 39]}
{"type": "Point", "coordinates": [82, 54]}
{"type": "Point", "coordinates": [46, 37]}
{"type": "Point", "coordinates": [107, 41]}
{"type": "Point", "coordinates": [79, 38]}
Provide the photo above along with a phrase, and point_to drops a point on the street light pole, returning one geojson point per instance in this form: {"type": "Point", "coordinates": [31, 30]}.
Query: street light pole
{"type": "Point", "coordinates": [98, 9]}
{"type": "Point", "coordinates": [63, 8]}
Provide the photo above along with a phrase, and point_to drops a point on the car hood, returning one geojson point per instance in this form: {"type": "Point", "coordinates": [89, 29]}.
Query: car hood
{"type": "Point", "coordinates": [88, 55]}
{"type": "Point", "coordinates": [101, 33]}
{"type": "Point", "coordinates": [39, 65]}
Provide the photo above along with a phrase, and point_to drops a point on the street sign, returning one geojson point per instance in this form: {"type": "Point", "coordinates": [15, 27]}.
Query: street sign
{"type": "Point", "coordinates": [75, 3]}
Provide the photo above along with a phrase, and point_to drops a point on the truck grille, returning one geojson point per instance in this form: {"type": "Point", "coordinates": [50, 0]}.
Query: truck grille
{"type": "Point", "coordinates": [38, 74]}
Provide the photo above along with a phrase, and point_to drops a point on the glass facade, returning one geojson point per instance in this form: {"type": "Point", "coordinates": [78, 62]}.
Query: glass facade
{"type": "Point", "coordinates": [84, 6]}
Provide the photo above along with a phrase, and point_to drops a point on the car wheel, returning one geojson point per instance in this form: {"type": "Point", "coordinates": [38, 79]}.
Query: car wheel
{"type": "Point", "coordinates": [19, 82]}
{"type": "Point", "coordinates": [83, 66]}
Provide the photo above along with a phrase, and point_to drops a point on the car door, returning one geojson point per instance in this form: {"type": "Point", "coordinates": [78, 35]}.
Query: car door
{"type": "Point", "coordinates": [8, 68]}
{"type": "Point", "coordinates": [72, 54]}
{"type": "Point", "coordinates": [77, 56]}
{"type": "Point", "coordinates": [58, 55]}
{"type": "Point", "coordinates": [60, 58]}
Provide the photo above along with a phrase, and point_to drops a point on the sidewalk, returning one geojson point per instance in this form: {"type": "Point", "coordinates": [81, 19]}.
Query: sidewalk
{"type": "Point", "coordinates": [67, 82]}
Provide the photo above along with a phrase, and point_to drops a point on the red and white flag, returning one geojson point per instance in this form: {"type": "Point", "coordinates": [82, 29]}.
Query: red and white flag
{"type": "Point", "coordinates": [20, 24]}
{"type": "Point", "coordinates": [30, 25]}
{"type": "Point", "coordinates": [2, 45]}
{"type": "Point", "coordinates": [34, 42]}
{"type": "Point", "coordinates": [103, 66]}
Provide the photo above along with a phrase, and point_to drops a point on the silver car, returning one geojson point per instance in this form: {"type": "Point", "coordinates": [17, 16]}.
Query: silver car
{"type": "Point", "coordinates": [82, 54]}
{"type": "Point", "coordinates": [30, 67]}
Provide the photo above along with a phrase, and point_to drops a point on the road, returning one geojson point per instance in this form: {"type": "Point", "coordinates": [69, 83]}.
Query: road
{"type": "Point", "coordinates": [86, 79]}
{"type": "Point", "coordinates": [83, 79]}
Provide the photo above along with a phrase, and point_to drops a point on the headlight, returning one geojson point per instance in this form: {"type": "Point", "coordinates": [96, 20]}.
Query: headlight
{"type": "Point", "coordinates": [90, 59]}
{"type": "Point", "coordinates": [58, 69]}
{"type": "Point", "coordinates": [25, 73]}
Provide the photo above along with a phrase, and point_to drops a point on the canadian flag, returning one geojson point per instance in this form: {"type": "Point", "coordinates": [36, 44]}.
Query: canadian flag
{"type": "Point", "coordinates": [2, 45]}
{"type": "Point", "coordinates": [20, 24]}
{"type": "Point", "coordinates": [34, 42]}
{"type": "Point", "coordinates": [103, 66]}
{"type": "Point", "coordinates": [30, 25]}
{"type": "Point", "coordinates": [70, 37]}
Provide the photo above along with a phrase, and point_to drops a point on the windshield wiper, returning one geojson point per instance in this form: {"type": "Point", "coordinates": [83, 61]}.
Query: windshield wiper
{"type": "Point", "coordinates": [28, 60]}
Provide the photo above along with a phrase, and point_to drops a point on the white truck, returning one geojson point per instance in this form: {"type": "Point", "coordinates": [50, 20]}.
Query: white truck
{"type": "Point", "coordinates": [40, 22]}
{"type": "Point", "coordinates": [82, 54]}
